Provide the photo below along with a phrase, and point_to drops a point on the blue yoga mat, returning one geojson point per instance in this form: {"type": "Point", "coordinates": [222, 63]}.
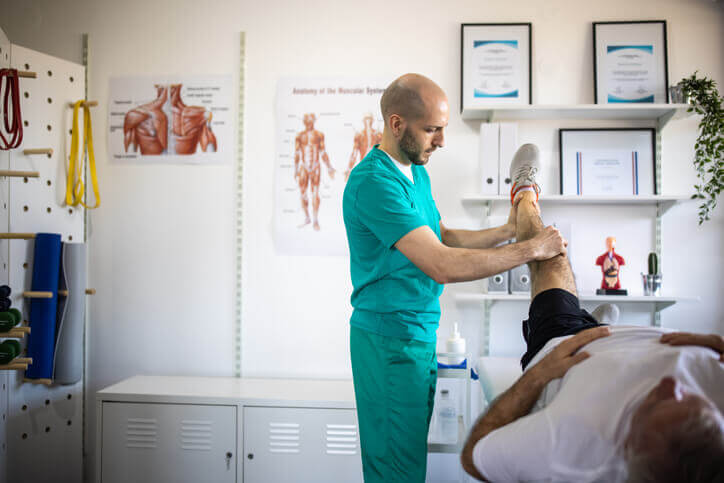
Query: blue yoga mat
{"type": "Point", "coordinates": [41, 341]}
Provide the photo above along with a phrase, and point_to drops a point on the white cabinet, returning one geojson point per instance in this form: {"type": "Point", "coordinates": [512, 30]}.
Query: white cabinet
{"type": "Point", "coordinates": [285, 444]}
{"type": "Point", "coordinates": [163, 429]}
{"type": "Point", "coordinates": [168, 443]}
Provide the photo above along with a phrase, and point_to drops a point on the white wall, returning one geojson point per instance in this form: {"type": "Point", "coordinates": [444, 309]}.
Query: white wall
{"type": "Point", "coordinates": [162, 244]}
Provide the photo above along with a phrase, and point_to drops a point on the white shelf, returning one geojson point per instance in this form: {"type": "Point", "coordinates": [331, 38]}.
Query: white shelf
{"type": "Point", "coordinates": [454, 448]}
{"type": "Point", "coordinates": [665, 201]}
{"type": "Point", "coordinates": [660, 113]}
{"type": "Point", "coordinates": [661, 301]}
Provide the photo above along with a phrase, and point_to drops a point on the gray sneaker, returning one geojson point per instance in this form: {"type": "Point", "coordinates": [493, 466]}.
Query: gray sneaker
{"type": "Point", "coordinates": [606, 313]}
{"type": "Point", "coordinates": [524, 169]}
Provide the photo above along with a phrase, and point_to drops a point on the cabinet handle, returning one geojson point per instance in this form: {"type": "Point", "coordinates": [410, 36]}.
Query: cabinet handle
{"type": "Point", "coordinates": [250, 456]}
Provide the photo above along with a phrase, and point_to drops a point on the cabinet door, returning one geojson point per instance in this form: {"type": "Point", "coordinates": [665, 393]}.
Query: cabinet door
{"type": "Point", "coordinates": [168, 443]}
{"type": "Point", "coordinates": [301, 445]}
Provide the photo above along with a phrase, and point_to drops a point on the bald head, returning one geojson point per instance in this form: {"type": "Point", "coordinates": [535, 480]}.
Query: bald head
{"type": "Point", "coordinates": [410, 96]}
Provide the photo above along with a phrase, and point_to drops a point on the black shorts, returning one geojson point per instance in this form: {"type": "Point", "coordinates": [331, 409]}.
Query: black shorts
{"type": "Point", "coordinates": [553, 313]}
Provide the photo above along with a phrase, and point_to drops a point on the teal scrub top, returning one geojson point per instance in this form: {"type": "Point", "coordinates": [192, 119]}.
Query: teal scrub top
{"type": "Point", "coordinates": [391, 297]}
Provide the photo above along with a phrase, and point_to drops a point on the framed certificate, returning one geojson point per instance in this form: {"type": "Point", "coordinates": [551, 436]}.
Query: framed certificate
{"type": "Point", "coordinates": [495, 65]}
{"type": "Point", "coordinates": [608, 162]}
{"type": "Point", "coordinates": [630, 62]}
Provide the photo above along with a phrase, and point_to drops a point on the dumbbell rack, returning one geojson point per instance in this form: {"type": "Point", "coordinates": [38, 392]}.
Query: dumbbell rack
{"type": "Point", "coordinates": [41, 426]}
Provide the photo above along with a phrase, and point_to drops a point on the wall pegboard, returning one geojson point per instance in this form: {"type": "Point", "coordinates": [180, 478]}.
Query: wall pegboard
{"type": "Point", "coordinates": [44, 428]}
{"type": "Point", "coordinates": [4, 375]}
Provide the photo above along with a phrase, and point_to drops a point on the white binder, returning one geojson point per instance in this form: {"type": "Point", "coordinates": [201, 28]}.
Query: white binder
{"type": "Point", "coordinates": [508, 147]}
{"type": "Point", "coordinates": [488, 153]}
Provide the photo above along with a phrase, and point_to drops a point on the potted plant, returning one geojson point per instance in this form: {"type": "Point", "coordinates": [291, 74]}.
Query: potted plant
{"type": "Point", "coordinates": [704, 98]}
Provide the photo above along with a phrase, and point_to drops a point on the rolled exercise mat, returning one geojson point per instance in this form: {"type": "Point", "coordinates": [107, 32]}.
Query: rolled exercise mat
{"type": "Point", "coordinates": [68, 360]}
{"type": "Point", "coordinates": [41, 342]}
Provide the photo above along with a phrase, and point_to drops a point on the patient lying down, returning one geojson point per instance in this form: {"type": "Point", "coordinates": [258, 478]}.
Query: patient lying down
{"type": "Point", "coordinates": [600, 403]}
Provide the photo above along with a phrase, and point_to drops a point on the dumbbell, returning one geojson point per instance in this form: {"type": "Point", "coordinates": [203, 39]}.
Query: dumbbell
{"type": "Point", "coordinates": [10, 319]}
{"type": "Point", "coordinates": [5, 302]}
{"type": "Point", "coordinates": [9, 350]}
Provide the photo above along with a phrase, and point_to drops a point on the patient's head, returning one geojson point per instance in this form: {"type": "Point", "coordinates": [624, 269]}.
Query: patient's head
{"type": "Point", "coordinates": [675, 436]}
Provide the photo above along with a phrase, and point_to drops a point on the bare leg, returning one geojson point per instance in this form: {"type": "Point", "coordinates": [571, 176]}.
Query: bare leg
{"type": "Point", "coordinates": [553, 273]}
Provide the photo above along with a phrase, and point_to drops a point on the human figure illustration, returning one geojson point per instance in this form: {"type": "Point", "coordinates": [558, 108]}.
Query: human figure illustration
{"type": "Point", "coordinates": [147, 126]}
{"type": "Point", "coordinates": [308, 149]}
{"type": "Point", "coordinates": [363, 142]}
{"type": "Point", "coordinates": [610, 263]}
{"type": "Point", "coordinates": [191, 125]}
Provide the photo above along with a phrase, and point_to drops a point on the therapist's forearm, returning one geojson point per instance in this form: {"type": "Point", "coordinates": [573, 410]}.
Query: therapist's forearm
{"type": "Point", "coordinates": [466, 264]}
{"type": "Point", "coordinates": [513, 404]}
{"type": "Point", "coordinates": [487, 238]}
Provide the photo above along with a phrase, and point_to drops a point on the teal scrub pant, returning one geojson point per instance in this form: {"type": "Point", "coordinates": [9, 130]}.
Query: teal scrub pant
{"type": "Point", "coordinates": [394, 385]}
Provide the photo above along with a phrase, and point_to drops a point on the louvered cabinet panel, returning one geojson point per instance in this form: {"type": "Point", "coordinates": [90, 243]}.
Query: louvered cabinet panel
{"type": "Point", "coordinates": [284, 444]}
{"type": "Point", "coordinates": [168, 443]}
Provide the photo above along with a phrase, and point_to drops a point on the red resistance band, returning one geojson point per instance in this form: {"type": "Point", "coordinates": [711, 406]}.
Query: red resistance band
{"type": "Point", "coordinates": [14, 127]}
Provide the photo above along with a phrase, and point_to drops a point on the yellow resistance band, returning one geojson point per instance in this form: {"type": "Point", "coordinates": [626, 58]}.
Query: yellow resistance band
{"type": "Point", "coordinates": [74, 188]}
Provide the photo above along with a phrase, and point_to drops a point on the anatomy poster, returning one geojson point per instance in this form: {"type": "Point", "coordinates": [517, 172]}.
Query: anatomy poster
{"type": "Point", "coordinates": [325, 126]}
{"type": "Point", "coordinates": [171, 120]}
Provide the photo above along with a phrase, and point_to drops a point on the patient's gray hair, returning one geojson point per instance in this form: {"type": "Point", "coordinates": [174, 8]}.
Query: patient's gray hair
{"type": "Point", "coordinates": [693, 451]}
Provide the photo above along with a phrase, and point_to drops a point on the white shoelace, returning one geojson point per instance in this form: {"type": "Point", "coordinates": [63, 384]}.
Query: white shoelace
{"type": "Point", "coordinates": [525, 175]}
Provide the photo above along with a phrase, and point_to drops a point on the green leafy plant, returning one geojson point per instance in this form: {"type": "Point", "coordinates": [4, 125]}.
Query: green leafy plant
{"type": "Point", "coordinates": [709, 147]}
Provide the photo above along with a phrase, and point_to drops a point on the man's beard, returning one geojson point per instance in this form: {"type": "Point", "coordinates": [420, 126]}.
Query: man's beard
{"type": "Point", "coordinates": [410, 148]}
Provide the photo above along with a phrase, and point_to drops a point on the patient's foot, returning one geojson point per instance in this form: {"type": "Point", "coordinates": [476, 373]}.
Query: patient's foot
{"type": "Point", "coordinates": [524, 170]}
{"type": "Point", "coordinates": [606, 313]}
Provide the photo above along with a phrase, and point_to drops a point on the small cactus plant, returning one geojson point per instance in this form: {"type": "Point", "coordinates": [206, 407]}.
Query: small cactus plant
{"type": "Point", "coordinates": [653, 264]}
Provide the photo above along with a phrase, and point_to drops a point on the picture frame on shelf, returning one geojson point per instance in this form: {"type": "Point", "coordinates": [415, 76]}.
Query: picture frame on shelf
{"type": "Point", "coordinates": [495, 65]}
{"type": "Point", "coordinates": [608, 162]}
{"type": "Point", "coordinates": [630, 62]}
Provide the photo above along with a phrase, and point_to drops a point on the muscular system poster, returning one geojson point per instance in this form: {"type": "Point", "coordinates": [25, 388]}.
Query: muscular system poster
{"type": "Point", "coordinates": [325, 126]}
{"type": "Point", "coordinates": [170, 120]}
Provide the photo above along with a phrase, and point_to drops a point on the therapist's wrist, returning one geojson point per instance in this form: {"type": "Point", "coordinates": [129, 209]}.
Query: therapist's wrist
{"type": "Point", "coordinates": [536, 377]}
{"type": "Point", "coordinates": [530, 249]}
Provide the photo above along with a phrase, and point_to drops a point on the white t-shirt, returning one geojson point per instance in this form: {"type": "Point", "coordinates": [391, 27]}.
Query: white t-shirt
{"type": "Point", "coordinates": [576, 430]}
{"type": "Point", "coordinates": [406, 169]}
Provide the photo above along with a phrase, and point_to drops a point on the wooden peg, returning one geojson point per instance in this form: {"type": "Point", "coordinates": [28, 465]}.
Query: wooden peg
{"type": "Point", "coordinates": [45, 382]}
{"type": "Point", "coordinates": [85, 103]}
{"type": "Point", "coordinates": [19, 174]}
{"type": "Point", "coordinates": [38, 295]}
{"type": "Point", "coordinates": [12, 334]}
{"type": "Point", "coordinates": [17, 236]}
{"type": "Point", "coordinates": [31, 152]}
{"type": "Point", "coordinates": [22, 360]}
{"type": "Point", "coordinates": [13, 366]}
{"type": "Point", "coordinates": [27, 74]}
{"type": "Point", "coordinates": [21, 329]}
{"type": "Point", "coordinates": [88, 291]}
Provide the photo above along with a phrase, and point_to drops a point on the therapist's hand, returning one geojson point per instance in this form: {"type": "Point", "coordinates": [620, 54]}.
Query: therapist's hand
{"type": "Point", "coordinates": [548, 243]}
{"type": "Point", "coordinates": [512, 220]}
{"type": "Point", "coordinates": [566, 354]}
{"type": "Point", "coordinates": [712, 341]}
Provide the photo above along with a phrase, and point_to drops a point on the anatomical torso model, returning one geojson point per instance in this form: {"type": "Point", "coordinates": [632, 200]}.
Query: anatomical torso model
{"type": "Point", "coordinates": [610, 263]}
{"type": "Point", "coordinates": [149, 128]}
{"type": "Point", "coordinates": [308, 150]}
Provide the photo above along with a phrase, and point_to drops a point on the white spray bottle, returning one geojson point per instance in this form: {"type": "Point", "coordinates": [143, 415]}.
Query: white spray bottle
{"type": "Point", "coordinates": [455, 345]}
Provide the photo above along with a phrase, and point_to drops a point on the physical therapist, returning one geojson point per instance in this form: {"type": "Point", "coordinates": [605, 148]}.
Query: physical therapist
{"type": "Point", "coordinates": [401, 255]}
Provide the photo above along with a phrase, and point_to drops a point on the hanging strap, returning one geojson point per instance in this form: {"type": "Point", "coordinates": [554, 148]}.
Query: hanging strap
{"type": "Point", "coordinates": [11, 102]}
{"type": "Point", "coordinates": [74, 188]}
